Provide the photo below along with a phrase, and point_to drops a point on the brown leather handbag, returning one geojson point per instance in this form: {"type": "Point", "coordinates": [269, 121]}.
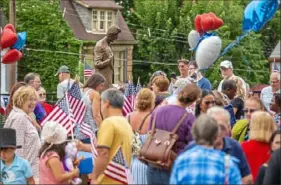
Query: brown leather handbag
{"type": "Point", "coordinates": [157, 151]}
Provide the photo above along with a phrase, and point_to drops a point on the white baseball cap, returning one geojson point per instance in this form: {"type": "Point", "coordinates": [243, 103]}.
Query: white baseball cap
{"type": "Point", "coordinates": [53, 133]}
{"type": "Point", "coordinates": [226, 64]}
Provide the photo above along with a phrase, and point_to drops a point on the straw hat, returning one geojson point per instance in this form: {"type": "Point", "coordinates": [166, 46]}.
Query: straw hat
{"type": "Point", "coordinates": [53, 133]}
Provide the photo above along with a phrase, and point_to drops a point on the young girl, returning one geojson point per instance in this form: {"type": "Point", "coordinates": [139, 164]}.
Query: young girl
{"type": "Point", "coordinates": [52, 154]}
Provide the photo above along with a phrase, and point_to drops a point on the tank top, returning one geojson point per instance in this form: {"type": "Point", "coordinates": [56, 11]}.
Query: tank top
{"type": "Point", "coordinates": [88, 118]}
{"type": "Point", "coordinates": [46, 174]}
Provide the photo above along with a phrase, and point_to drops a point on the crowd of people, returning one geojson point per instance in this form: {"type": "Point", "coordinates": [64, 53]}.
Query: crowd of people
{"type": "Point", "coordinates": [222, 136]}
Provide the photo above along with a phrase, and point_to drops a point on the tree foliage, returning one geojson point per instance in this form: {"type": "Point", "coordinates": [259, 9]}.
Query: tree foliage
{"type": "Point", "coordinates": [170, 22]}
{"type": "Point", "coordinates": [46, 30]}
{"type": "Point", "coordinates": [160, 28]}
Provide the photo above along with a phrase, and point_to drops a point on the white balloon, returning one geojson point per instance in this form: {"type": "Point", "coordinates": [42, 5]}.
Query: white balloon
{"type": "Point", "coordinates": [208, 51]}
{"type": "Point", "coordinates": [193, 39]}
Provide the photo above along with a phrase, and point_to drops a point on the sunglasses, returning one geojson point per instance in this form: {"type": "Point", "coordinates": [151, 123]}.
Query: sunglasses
{"type": "Point", "coordinates": [42, 94]}
{"type": "Point", "coordinates": [181, 66]}
{"type": "Point", "coordinates": [249, 110]}
{"type": "Point", "coordinates": [210, 102]}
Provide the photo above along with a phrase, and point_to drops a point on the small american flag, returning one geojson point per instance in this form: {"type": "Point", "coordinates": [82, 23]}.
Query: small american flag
{"type": "Point", "coordinates": [87, 130]}
{"type": "Point", "coordinates": [118, 170]}
{"type": "Point", "coordinates": [88, 70]}
{"type": "Point", "coordinates": [69, 110]}
{"type": "Point", "coordinates": [129, 98]}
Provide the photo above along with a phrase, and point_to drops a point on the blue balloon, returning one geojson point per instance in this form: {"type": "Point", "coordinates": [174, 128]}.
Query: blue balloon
{"type": "Point", "coordinates": [21, 41]}
{"type": "Point", "coordinates": [258, 13]}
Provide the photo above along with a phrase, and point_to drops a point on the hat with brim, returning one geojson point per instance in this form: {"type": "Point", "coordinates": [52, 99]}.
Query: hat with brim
{"type": "Point", "coordinates": [226, 64]}
{"type": "Point", "coordinates": [8, 138]}
{"type": "Point", "coordinates": [63, 69]}
{"type": "Point", "coordinates": [53, 133]}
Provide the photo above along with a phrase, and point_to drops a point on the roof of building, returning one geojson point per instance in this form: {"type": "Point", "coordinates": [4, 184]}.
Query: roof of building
{"type": "Point", "coordinates": [79, 31]}
{"type": "Point", "coordinates": [258, 88]}
{"type": "Point", "coordinates": [275, 55]}
{"type": "Point", "coordinates": [99, 4]}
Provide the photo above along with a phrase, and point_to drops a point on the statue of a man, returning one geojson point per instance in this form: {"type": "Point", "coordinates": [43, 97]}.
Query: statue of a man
{"type": "Point", "coordinates": [103, 55]}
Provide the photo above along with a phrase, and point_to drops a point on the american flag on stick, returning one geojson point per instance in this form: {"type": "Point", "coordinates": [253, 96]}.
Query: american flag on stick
{"type": "Point", "coordinates": [129, 99]}
{"type": "Point", "coordinates": [87, 130]}
{"type": "Point", "coordinates": [69, 110]}
{"type": "Point", "coordinates": [118, 170]}
{"type": "Point", "coordinates": [88, 70]}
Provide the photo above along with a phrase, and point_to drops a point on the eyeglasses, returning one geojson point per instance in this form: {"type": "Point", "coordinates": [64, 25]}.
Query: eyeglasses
{"type": "Point", "coordinates": [42, 94]}
{"type": "Point", "coordinates": [210, 102]}
{"type": "Point", "coordinates": [249, 110]}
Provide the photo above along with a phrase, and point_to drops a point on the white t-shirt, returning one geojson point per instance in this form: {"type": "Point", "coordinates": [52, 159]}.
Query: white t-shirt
{"type": "Point", "coordinates": [243, 82]}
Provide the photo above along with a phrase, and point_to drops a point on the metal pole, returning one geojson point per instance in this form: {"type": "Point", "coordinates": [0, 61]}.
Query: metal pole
{"type": "Point", "coordinates": [12, 20]}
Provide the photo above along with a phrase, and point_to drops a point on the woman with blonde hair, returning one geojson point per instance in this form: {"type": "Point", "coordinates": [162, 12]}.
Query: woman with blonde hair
{"type": "Point", "coordinates": [139, 121]}
{"type": "Point", "coordinates": [24, 102]}
{"type": "Point", "coordinates": [257, 148]}
{"type": "Point", "coordinates": [240, 91]}
{"type": "Point", "coordinates": [240, 130]}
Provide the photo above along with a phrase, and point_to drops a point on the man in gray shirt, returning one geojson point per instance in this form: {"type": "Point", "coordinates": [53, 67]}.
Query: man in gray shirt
{"type": "Point", "coordinates": [65, 81]}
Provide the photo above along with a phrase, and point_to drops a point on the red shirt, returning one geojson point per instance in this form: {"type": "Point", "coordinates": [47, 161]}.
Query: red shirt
{"type": "Point", "coordinates": [256, 153]}
{"type": "Point", "coordinates": [48, 108]}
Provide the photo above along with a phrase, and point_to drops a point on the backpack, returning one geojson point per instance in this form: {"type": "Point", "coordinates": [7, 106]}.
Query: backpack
{"type": "Point", "coordinates": [157, 149]}
{"type": "Point", "coordinates": [136, 145]}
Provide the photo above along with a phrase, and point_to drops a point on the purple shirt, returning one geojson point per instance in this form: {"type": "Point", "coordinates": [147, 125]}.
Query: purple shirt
{"type": "Point", "coordinates": [166, 119]}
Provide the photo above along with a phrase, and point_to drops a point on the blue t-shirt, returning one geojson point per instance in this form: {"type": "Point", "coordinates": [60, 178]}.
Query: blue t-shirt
{"type": "Point", "coordinates": [17, 172]}
{"type": "Point", "coordinates": [204, 83]}
{"type": "Point", "coordinates": [233, 148]}
{"type": "Point", "coordinates": [39, 112]}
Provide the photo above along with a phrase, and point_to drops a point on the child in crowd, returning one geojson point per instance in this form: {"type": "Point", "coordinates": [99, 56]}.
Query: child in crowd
{"type": "Point", "coordinates": [14, 169]}
{"type": "Point", "coordinates": [52, 154]}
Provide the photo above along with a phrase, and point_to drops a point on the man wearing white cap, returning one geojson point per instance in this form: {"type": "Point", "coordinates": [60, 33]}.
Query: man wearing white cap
{"type": "Point", "coordinates": [227, 72]}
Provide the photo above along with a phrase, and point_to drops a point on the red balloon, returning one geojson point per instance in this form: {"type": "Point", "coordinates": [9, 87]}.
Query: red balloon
{"type": "Point", "coordinates": [11, 56]}
{"type": "Point", "coordinates": [214, 17]}
{"type": "Point", "coordinates": [207, 22]}
{"type": "Point", "coordinates": [11, 27]}
{"type": "Point", "coordinates": [218, 23]}
{"type": "Point", "coordinates": [8, 39]}
{"type": "Point", "coordinates": [197, 24]}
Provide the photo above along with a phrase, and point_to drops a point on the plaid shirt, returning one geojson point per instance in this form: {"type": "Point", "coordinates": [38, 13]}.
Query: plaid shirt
{"type": "Point", "coordinates": [201, 165]}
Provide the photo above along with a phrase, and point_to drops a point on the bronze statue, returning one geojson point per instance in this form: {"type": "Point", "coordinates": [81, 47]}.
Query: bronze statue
{"type": "Point", "coordinates": [103, 55]}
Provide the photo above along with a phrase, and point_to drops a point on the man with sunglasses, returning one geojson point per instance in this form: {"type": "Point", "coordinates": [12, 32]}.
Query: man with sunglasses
{"type": "Point", "coordinates": [226, 69]}
{"type": "Point", "coordinates": [267, 92]}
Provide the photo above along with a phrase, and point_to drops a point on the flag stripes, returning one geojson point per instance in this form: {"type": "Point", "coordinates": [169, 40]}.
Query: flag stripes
{"type": "Point", "coordinates": [69, 110]}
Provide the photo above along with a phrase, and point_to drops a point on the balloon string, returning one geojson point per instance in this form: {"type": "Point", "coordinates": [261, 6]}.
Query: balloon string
{"type": "Point", "coordinates": [231, 45]}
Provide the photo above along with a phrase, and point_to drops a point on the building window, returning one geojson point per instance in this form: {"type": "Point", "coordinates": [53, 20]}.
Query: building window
{"type": "Point", "coordinates": [95, 20]}
{"type": "Point", "coordinates": [102, 20]}
{"type": "Point", "coordinates": [118, 66]}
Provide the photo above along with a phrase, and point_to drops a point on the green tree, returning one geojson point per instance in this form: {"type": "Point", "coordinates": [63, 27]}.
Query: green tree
{"type": "Point", "coordinates": [170, 22]}
{"type": "Point", "coordinates": [46, 30]}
